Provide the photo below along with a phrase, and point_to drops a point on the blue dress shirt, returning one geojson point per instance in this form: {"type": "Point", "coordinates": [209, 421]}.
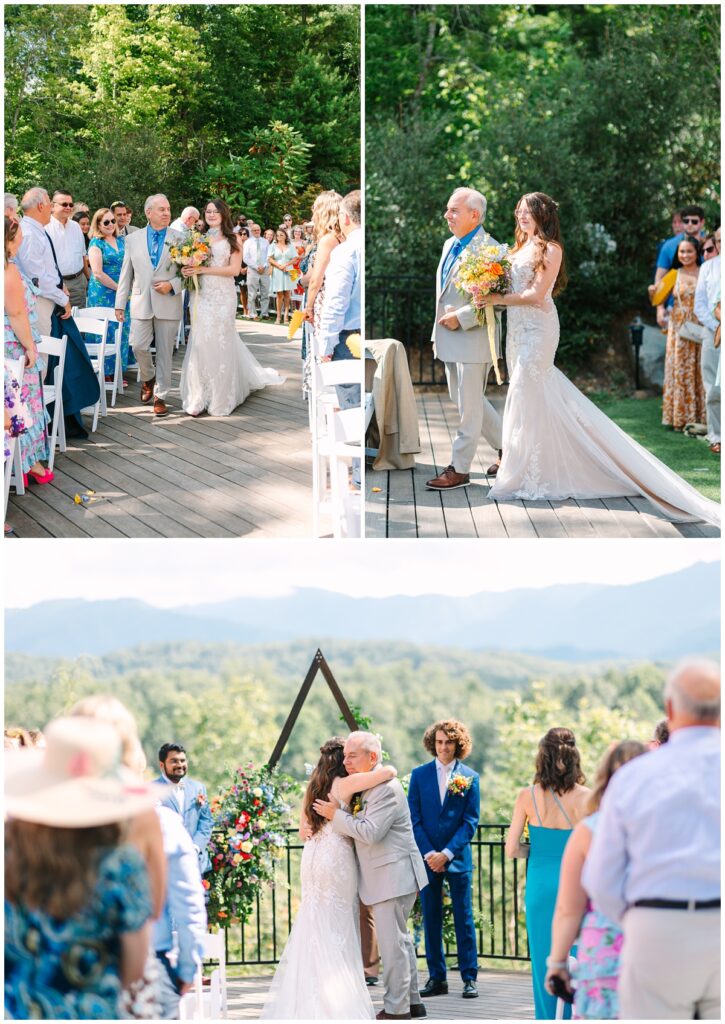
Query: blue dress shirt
{"type": "Point", "coordinates": [155, 243]}
{"type": "Point", "coordinates": [454, 252]}
{"type": "Point", "coordinates": [658, 836]}
{"type": "Point", "coordinates": [184, 911]}
{"type": "Point", "coordinates": [341, 300]}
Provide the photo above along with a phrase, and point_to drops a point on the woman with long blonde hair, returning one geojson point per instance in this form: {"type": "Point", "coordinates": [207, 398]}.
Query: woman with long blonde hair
{"type": "Point", "coordinates": [327, 236]}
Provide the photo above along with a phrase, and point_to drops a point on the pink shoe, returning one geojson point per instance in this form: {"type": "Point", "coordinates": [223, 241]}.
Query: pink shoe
{"type": "Point", "coordinates": [44, 478]}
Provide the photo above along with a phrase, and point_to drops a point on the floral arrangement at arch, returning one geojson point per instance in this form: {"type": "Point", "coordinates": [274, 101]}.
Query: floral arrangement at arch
{"type": "Point", "coordinates": [251, 818]}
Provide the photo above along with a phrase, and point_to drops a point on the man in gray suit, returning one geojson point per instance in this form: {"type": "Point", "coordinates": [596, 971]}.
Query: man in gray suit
{"type": "Point", "coordinates": [463, 344]}
{"type": "Point", "coordinates": [156, 301]}
{"type": "Point", "coordinates": [391, 872]}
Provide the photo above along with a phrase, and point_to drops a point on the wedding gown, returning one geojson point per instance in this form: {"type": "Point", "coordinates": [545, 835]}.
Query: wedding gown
{"type": "Point", "coordinates": [320, 975]}
{"type": "Point", "coordinates": [219, 371]}
{"type": "Point", "coordinates": [556, 443]}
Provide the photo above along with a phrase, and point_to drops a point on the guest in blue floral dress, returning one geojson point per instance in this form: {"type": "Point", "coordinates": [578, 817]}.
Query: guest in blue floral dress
{"type": "Point", "coordinates": [105, 255]}
{"type": "Point", "coordinates": [21, 341]}
{"type": "Point", "coordinates": [600, 940]}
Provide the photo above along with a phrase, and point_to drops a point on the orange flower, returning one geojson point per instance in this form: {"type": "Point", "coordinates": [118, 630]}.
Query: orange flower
{"type": "Point", "coordinates": [496, 269]}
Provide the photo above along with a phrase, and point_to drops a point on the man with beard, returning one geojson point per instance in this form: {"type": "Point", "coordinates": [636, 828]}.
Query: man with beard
{"type": "Point", "coordinates": [188, 798]}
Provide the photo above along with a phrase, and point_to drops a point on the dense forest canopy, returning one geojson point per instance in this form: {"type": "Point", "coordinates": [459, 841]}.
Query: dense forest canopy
{"type": "Point", "coordinates": [612, 109]}
{"type": "Point", "coordinates": [258, 102]}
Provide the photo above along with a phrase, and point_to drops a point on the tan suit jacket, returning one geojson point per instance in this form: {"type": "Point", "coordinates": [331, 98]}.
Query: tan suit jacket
{"type": "Point", "coordinates": [468, 344]}
{"type": "Point", "coordinates": [138, 276]}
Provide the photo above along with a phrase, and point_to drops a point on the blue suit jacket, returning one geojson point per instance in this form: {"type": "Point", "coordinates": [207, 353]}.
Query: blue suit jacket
{"type": "Point", "coordinates": [451, 825]}
{"type": "Point", "coordinates": [197, 816]}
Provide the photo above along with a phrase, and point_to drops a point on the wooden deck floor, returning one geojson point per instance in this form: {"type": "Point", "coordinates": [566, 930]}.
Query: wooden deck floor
{"type": "Point", "coordinates": [503, 995]}
{"type": "Point", "coordinates": [248, 474]}
{"type": "Point", "coordinates": [398, 504]}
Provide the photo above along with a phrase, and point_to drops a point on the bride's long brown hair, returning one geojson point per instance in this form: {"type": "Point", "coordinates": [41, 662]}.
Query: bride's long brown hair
{"type": "Point", "coordinates": [328, 768]}
{"type": "Point", "coordinates": [226, 227]}
{"type": "Point", "coordinates": [545, 212]}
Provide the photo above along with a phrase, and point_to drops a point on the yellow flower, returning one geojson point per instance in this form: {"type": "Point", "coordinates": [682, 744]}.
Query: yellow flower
{"type": "Point", "coordinates": [246, 848]}
{"type": "Point", "coordinates": [236, 859]}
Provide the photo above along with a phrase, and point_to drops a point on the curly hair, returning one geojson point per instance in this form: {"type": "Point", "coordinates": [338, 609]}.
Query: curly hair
{"type": "Point", "coordinates": [545, 212]}
{"type": "Point", "coordinates": [454, 730]}
{"type": "Point", "coordinates": [617, 755]}
{"type": "Point", "coordinates": [328, 768]}
{"type": "Point", "coordinates": [558, 764]}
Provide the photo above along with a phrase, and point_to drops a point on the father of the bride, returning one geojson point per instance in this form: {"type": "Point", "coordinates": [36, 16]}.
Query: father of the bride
{"type": "Point", "coordinates": [155, 287]}
{"type": "Point", "coordinates": [391, 871]}
{"type": "Point", "coordinates": [462, 343]}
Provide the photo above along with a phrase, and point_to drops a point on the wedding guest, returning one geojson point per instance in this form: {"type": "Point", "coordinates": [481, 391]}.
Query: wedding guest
{"type": "Point", "coordinates": [83, 220]}
{"type": "Point", "coordinates": [599, 940]}
{"type": "Point", "coordinates": [77, 906]}
{"type": "Point", "coordinates": [692, 219]}
{"type": "Point", "coordinates": [445, 807]}
{"type": "Point", "coordinates": [707, 293]}
{"type": "Point", "coordinates": [281, 258]}
{"type": "Point", "coordinates": [242, 279]}
{"type": "Point", "coordinates": [661, 734]}
{"type": "Point", "coordinates": [286, 224]}
{"type": "Point", "coordinates": [269, 235]}
{"type": "Point", "coordinates": [69, 245]}
{"type": "Point", "coordinates": [300, 246]}
{"type": "Point", "coordinates": [654, 863]}
{"type": "Point", "coordinates": [21, 342]}
{"type": "Point", "coordinates": [11, 205]}
{"type": "Point", "coordinates": [256, 255]}
{"type": "Point", "coordinates": [327, 236]}
{"type": "Point", "coordinates": [239, 223]}
{"type": "Point", "coordinates": [683, 395]}
{"type": "Point", "coordinates": [79, 207]}
{"type": "Point", "coordinates": [186, 220]}
{"type": "Point", "coordinates": [105, 256]}
{"type": "Point", "coordinates": [122, 212]}
{"type": "Point", "coordinates": [36, 259]}
{"type": "Point", "coordinates": [187, 797]}
{"type": "Point", "coordinates": [551, 807]}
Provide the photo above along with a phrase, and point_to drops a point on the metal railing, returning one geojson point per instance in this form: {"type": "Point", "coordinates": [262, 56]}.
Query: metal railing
{"type": "Point", "coordinates": [497, 901]}
{"type": "Point", "coordinates": [404, 308]}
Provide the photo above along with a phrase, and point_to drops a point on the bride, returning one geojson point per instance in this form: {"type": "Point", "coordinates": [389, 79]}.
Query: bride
{"type": "Point", "coordinates": [320, 975]}
{"type": "Point", "coordinates": [219, 371]}
{"type": "Point", "coordinates": [556, 443]}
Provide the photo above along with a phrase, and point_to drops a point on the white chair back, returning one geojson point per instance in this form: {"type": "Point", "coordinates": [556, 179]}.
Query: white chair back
{"type": "Point", "coordinates": [113, 343]}
{"type": "Point", "coordinates": [53, 393]}
{"type": "Point", "coordinates": [98, 327]}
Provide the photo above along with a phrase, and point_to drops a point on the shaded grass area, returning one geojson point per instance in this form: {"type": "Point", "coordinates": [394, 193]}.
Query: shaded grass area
{"type": "Point", "coordinates": [689, 456]}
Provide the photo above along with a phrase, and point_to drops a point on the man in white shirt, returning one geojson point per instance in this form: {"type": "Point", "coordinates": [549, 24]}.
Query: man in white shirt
{"type": "Point", "coordinates": [654, 863]}
{"type": "Point", "coordinates": [256, 255]}
{"type": "Point", "coordinates": [186, 220]}
{"type": "Point", "coordinates": [36, 259]}
{"type": "Point", "coordinates": [707, 295]}
{"type": "Point", "coordinates": [70, 246]}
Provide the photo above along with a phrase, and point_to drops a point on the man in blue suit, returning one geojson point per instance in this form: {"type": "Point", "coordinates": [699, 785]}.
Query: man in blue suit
{"type": "Point", "coordinates": [188, 798]}
{"type": "Point", "coordinates": [444, 800]}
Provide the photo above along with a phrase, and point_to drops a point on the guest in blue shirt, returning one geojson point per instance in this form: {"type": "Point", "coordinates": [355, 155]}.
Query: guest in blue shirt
{"type": "Point", "coordinates": [692, 219]}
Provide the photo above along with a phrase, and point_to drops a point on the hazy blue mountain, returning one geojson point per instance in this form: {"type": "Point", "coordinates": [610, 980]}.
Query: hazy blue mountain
{"type": "Point", "coordinates": [666, 617]}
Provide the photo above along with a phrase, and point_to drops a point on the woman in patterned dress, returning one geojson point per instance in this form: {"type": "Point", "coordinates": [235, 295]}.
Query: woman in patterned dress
{"type": "Point", "coordinates": [683, 397]}
{"type": "Point", "coordinates": [21, 341]}
{"type": "Point", "coordinates": [105, 255]}
{"type": "Point", "coordinates": [600, 940]}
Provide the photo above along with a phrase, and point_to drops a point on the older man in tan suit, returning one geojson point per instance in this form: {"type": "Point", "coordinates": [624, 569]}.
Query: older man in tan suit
{"type": "Point", "coordinates": [156, 300]}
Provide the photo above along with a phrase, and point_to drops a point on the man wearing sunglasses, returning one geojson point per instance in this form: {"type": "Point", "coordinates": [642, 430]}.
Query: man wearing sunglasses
{"type": "Point", "coordinates": [70, 247]}
{"type": "Point", "coordinates": [707, 295]}
{"type": "Point", "coordinates": [693, 223]}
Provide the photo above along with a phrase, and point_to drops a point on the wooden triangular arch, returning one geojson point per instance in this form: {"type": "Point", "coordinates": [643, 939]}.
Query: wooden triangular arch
{"type": "Point", "coordinates": [318, 665]}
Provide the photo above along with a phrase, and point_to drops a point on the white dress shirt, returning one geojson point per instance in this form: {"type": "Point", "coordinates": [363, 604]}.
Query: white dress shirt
{"type": "Point", "coordinates": [70, 246]}
{"type": "Point", "coordinates": [341, 300]}
{"type": "Point", "coordinates": [707, 293]}
{"type": "Point", "coordinates": [256, 253]}
{"type": "Point", "coordinates": [444, 777]}
{"type": "Point", "coordinates": [35, 261]}
{"type": "Point", "coordinates": [177, 791]}
{"type": "Point", "coordinates": [658, 834]}
{"type": "Point", "coordinates": [178, 225]}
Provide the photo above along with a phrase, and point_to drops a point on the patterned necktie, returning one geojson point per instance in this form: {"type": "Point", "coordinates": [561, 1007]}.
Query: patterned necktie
{"type": "Point", "coordinates": [456, 250]}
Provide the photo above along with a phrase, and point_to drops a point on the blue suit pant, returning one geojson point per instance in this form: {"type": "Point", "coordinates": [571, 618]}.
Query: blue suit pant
{"type": "Point", "coordinates": [431, 896]}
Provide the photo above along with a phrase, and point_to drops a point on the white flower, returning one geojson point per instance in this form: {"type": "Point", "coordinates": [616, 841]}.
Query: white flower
{"type": "Point", "coordinates": [309, 768]}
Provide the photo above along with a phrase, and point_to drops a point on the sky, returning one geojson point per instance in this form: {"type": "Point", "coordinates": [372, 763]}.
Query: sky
{"type": "Point", "coordinates": [170, 573]}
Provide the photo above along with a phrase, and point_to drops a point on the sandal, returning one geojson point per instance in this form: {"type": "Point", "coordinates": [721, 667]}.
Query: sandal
{"type": "Point", "coordinates": [37, 478]}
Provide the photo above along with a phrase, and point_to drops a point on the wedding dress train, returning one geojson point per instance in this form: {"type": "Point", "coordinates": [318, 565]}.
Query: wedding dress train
{"type": "Point", "coordinates": [320, 975]}
{"type": "Point", "coordinates": [219, 371]}
{"type": "Point", "coordinates": [556, 443]}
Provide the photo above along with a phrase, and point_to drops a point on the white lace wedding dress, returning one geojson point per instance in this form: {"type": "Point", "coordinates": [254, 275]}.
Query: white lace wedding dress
{"type": "Point", "coordinates": [556, 443]}
{"type": "Point", "coordinates": [320, 975]}
{"type": "Point", "coordinates": [219, 371]}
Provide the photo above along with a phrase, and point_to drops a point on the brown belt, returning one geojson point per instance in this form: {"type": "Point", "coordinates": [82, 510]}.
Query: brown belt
{"type": "Point", "coordinates": [72, 277]}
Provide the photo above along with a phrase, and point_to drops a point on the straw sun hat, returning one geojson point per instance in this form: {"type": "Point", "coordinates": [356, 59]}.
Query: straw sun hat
{"type": "Point", "coordinates": [77, 780]}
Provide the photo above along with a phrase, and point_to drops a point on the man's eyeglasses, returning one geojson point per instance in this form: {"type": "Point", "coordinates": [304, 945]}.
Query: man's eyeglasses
{"type": "Point", "coordinates": [106, 223]}
{"type": "Point", "coordinates": [67, 205]}
{"type": "Point", "coordinates": [709, 248]}
{"type": "Point", "coordinates": [690, 220]}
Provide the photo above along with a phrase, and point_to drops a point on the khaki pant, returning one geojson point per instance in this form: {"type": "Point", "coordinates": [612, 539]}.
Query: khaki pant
{"type": "Point", "coordinates": [44, 309]}
{"type": "Point", "coordinates": [77, 289]}
{"type": "Point", "coordinates": [400, 967]}
{"type": "Point", "coordinates": [467, 388]}
{"type": "Point", "coordinates": [670, 967]}
{"type": "Point", "coordinates": [162, 333]}
{"type": "Point", "coordinates": [369, 942]}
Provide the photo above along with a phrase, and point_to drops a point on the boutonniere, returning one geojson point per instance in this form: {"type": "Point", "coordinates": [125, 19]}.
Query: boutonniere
{"type": "Point", "coordinates": [458, 785]}
{"type": "Point", "coordinates": [201, 799]}
{"type": "Point", "coordinates": [356, 805]}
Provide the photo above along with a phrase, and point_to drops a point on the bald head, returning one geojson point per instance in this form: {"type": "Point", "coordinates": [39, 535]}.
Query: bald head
{"type": "Point", "coordinates": [692, 694]}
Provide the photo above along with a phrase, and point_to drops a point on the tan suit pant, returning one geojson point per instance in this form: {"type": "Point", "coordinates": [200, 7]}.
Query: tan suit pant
{"type": "Point", "coordinates": [400, 967]}
{"type": "Point", "coordinates": [467, 388]}
{"type": "Point", "coordinates": [162, 333]}
{"type": "Point", "coordinates": [369, 942]}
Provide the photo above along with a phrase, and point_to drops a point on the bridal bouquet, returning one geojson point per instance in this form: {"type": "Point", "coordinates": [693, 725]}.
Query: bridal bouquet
{"type": "Point", "coordinates": [251, 819]}
{"type": "Point", "coordinates": [194, 250]}
{"type": "Point", "coordinates": [482, 272]}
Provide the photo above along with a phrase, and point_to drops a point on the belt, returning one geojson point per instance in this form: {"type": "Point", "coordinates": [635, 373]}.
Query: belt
{"type": "Point", "coordinates": [678, 904]}
{"type": "Point", "coordinates": [72, 277]}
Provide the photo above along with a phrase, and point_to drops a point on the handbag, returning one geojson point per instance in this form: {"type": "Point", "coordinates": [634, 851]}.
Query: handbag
{"type": "Point", "coordinates": [690, 330]}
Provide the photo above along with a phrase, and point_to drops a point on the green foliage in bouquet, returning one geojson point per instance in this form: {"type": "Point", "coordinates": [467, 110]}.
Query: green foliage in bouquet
{"type": "Point", "coordinates": [251, 818]}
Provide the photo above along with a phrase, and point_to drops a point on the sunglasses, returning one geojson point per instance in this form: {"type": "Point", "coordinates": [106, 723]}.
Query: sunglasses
{"type": "Point", "coordinates": [690, 220]}
{"type": "Point", "coordinates": [67, 205]}
{"type": "Point", "coordinates": [709, 248]}
{"type": "Point", "coordinates": [107, 222]}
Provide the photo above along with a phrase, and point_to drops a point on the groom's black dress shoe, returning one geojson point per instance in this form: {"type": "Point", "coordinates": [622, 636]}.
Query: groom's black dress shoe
{"type": "Point", "coordinates": [449, 480]}
{"type": "Point", "coordinates": [370, 979]}
{"type": "Point", "coordinates": [493, 470]}
{"type": "Point", "coordinates": [418, 1010]}
{"type": "Point", "coordinates": [434, 988]}
{"type": "Point", "coordinates": [469, 990]}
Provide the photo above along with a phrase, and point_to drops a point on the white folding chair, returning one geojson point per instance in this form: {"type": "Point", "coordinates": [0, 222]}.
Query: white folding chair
{"type": "Point", "coordinates": [97, 327]}
{"type": "Point", "coordinates": [337, 439]}
{"type": "Point", "coordinates": [191, 1006]}
{"type": "Point", "coordinates": [53, 393]}
{"type": "Point", "coordinates": [113, 344]}
{"type": "Point", "coordinates": [214, 949]}
{"type": "Point", "coordinates": [14, 461]}
{"type": "Point", "coordinates": [560, 1004]}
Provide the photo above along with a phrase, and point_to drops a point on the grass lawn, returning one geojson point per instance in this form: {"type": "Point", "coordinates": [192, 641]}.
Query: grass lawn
{"type": "Point", "coordinates": [689, 456]}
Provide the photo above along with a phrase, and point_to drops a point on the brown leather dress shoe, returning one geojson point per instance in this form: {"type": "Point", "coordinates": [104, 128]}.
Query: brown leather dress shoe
{"type": "Point", "coordinates": [147, 390]}
{"type": "Point", "coordinates": [418, 1010]}
{"type": "Point", "coordinates": [160, 408]}
{"type": "Point", "coordinates": [493, 470]}
{"type": "Point", "coordinates": [391, 1016]}
{"type": "Point", "coordinates": [449, 480]}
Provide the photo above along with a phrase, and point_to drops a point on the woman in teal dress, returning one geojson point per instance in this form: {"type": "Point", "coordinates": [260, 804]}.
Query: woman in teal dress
{"type": "Point", "coordinates": [105, 255]}
{"type": "Point", "coordinates": [551, 807]}
{"type": "Point", "coordinates": [282, 255]}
